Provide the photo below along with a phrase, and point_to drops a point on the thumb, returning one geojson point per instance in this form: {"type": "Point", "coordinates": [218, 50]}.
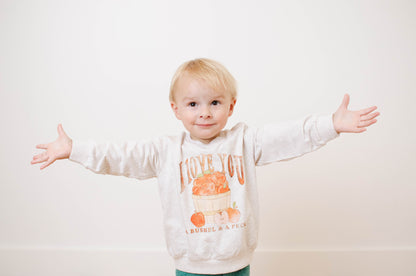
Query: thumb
{"type": "Point", "coordinates": [61, 131]}
{"type": "Point", "coordinates": [345, 101]}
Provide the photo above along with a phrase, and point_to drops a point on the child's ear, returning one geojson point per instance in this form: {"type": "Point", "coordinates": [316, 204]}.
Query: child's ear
{"type": "Point", "coordinates": [232, 104]}
{"type": "Point", "coordinates": [175, 109]}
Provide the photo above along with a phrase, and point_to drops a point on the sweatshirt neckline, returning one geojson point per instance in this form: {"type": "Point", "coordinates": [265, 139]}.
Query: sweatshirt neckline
{"type": "Point", "coordinates": [215, 141]}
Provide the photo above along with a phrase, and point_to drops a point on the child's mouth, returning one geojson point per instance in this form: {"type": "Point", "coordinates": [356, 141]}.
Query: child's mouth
{"type": "Point", "coordinates": [204, 125]}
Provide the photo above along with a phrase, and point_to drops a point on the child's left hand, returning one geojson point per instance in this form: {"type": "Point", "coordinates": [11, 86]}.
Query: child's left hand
{"type": "Point", "coordinates": [353, 121]}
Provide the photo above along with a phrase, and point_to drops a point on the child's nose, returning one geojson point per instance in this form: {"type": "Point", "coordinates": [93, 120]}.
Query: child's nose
{"type": "Point", "coordinates": [205, 113]}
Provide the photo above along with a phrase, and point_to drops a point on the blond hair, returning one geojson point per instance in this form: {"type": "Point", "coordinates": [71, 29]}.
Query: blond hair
{"type": "Point", "coordinates": [212, 72]}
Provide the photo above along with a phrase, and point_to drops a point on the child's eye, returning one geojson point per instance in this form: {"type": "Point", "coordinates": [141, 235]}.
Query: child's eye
{"type": "Point", "coordinates": [192, 104]}
{"type": "Point", "coordinates": [215, 103]}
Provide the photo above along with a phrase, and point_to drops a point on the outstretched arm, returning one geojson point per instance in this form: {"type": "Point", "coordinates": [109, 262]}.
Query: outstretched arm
{"type": "Point", "coordinates": [59, 149]}
{"type": "Point", "coordinates": [353, 121]}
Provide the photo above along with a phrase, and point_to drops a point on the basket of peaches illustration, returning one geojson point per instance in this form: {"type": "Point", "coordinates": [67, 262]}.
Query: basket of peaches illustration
{"type": "Point", "coordinates": [211, 196]}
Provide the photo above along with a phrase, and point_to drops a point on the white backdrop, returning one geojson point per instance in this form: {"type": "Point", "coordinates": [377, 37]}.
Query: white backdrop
{"type": "Point", "coordinates": [103, 68]}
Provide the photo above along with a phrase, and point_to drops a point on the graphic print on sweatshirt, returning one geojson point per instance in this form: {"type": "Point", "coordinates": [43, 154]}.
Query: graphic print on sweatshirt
{"type": "Point", "coordinates": [212, 181]}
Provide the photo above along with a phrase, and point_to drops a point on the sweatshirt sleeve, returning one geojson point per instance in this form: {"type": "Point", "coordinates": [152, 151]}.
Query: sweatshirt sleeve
{"type": "Point", "coordinates": [292, 139]}
{"type": "Point", "coordinates": [130, 159]}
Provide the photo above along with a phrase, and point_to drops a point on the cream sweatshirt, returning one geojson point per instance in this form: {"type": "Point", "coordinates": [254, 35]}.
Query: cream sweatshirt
{"type": "Point", "coordinates": [208, 192]}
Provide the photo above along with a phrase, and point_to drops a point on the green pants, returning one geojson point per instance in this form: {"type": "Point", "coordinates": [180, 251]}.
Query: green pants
{"type": "Point", "coordinates": [242, 272]}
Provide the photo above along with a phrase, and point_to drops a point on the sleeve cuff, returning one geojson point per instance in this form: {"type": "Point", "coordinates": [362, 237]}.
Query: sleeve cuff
{"type": "Point", "coordinates": [326, 128]}
{"type": "Point", "coordinates": [80, 151]}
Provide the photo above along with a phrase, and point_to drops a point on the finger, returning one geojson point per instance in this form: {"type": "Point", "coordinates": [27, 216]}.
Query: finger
{"type": "Point", "coordinates": [369, 116]}
{"type": "Point", "coordinates": [367, 123]}
{"type": "Point", "coordinates": [361, 130]}
{"type": "Point", "coordinates": [50, 161]}
{"type": "Point", "coordinates": [39, 159]}
{"type": "Point", "coordinates": [40, 156]}
{"type": "Point", "coordinates": [367, 110]}
{"type": "Point", "coordinates": [42, 146]}
{"type": "Point", "coordinates": [37, 156]}
{"type": "Point", "coordinates": [33, 162]}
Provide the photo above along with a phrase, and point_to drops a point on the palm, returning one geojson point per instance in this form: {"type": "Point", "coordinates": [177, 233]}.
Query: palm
{"type": "Point", "coordinates": [353, 121]}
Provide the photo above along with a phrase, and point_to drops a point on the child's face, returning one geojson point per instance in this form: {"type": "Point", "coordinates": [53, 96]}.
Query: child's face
{"type": "Point", "coordinates": [203, 111]}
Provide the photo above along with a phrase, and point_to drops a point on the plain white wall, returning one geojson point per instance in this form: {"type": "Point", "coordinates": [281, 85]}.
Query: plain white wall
{"type": "Point", "coordinates": [103, 68]}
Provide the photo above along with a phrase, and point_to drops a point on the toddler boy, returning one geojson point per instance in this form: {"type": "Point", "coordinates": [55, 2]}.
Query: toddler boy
{"type": "Point", "coordinates": [206, 176]}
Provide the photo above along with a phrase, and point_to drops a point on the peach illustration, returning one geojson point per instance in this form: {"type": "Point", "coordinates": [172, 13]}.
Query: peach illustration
{"type": "Point", "coordinates": [233, 213]}
{"type": "Point", "coordinates": [198, 219]}
{"type": "Point", "coordinates": [221, 218]}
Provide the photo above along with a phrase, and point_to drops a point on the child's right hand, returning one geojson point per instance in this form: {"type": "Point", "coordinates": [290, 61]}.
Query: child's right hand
{"type": "Point", "coordinates": [59, 149]}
